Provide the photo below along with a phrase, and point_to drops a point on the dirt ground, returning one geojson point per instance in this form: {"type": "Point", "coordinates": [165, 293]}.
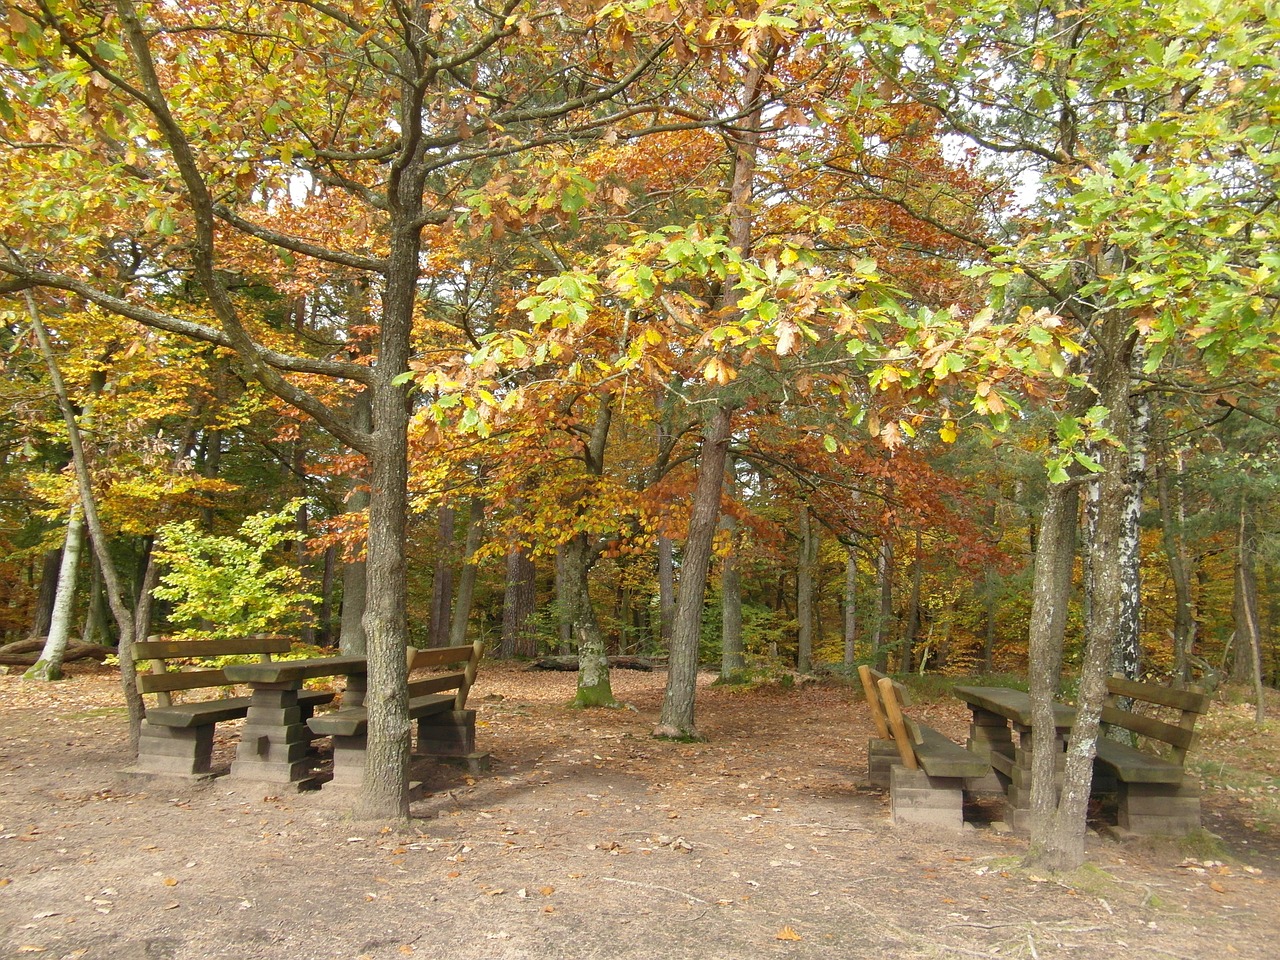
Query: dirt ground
{"type": "Point", "coordinates": [587, 838]}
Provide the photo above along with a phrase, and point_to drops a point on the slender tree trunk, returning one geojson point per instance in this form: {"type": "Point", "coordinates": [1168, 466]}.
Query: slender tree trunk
{"type": "Point", "coordinates": [912, 631]}
{"type": "Point", "coordinates": [49, 664]}
{"type": "Point", "coordinates": [1248, 640]}
{"type": "Point", "coordinates": [46, 594]}
{"type": "Point", "coordinates": [1172, 526]}
{"type": "Point", "coordinates": [518, 605]}
{"type": "Point", "coordinates": [882, 636]}
{"type": "Point", "coordinates": [1126, 659]}
{"type": "Point", "coordinates": [851, 606]}
{"type": "Point", "coordinates": [666, 587]}
{"type": "Point", "coordinates": [442, 582]}
{"type": "Point", "coordinates": [95, 619]}
{"type": "Point", "coordinates": [564, 619]}
{"type": "Point", "coordinates": [732, 661]}
{"type": "Point", "coordinates": [1051, 593]}
{"type": "Point", "coordinates": [677, 718]}
{"type": "Point", "coordinates": [594, 687]}
{"type": "Point", "coordinates": [467, 577]}
{"type": "Point", "coordinates": [98, 537]}
{"type": "Point", "coordinates": [328, 576]}
{"type": "Point", "coordinates": [804, 592]}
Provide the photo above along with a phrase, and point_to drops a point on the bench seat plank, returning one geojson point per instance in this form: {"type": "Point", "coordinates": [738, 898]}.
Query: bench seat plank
{"type": "Point", "coordinates": [940, 756]}
{"type": "Point", "coordinates": [354, 721]}
{"type": "Point", "coordinates": [1133, 766]}
{"type": "Point", "coordinates": [200, 713]}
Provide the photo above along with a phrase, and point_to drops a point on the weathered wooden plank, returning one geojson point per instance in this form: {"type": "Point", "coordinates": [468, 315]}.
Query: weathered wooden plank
{"type": "Point", "coordinates": [238, 646]}
{"type": "Point", "coordinates": [294, 671]}
{"type": "Point", "coordinates": [199, 714]}
{"type": "Point", "coordinates": [940, 756]}
{"type": "Point", "coordinates": [185, 680]}
{"type": "Point", "coordinates": [1152, 727]}
{"type": "Point", "coordinates": [1134, 766]}
{"type": "Point", "coordinates": [1193, 698]}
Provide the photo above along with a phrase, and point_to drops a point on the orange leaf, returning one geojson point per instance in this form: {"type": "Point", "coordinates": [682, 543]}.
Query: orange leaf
{"type": "Point", "coordinates": [787, 933]}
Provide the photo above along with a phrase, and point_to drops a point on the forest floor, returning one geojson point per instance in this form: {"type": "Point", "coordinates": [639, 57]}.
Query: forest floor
{"type": "Point", "coordinates": [588, 838]}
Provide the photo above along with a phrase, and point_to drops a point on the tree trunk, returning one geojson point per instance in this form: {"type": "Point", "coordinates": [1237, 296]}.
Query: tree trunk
{"type": "Point", "coordinates": [882, 636]}
{"type": "Point", "coordinates": [1058, 840]}
{"type": "Point", "coordinates": [519, 604]}
{"type": "Point", "coordinates": [564, 620]}
{"type": "Point", "coordinates": [98, 537]}
{"type": "Point", "coordinates": [677, 718]}
{"type": "Point", "coordinates": [911, 633]}
{"type": "Point", "coordinates": [1126, 659]}
{"type": "Point", "coordinates": [46, 594]}
{"type": "Point", "coordinates": [49, 665]}
{"type": "Point", "coordinates": [1172, 527]}
{"type": "Point", "coordinates": [732, 661]}
{"type": "Point", "coordinates": [95, 619]}
{"type": "Point", "coordinates": [442, 582]}
{"type": "Point", "coordinates": [1050, 596]}
{"type": "Point", "coordinates": [467, 578]}
{"type": "Point", "coordinates": [594, 687]}
{"type": "Point", "coordinates": [850, 606]}
{"type": "Point", "coordinates": [804, 592]}
{"type": "Point", "coordinates": [352, 640]}
{"type": "Point", "coordinates": [1248, 640]}
{"type": "Point", "coordinates": [666, 587]}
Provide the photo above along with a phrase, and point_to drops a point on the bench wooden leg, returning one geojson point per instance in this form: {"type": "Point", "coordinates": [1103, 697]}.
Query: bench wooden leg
{"type": "Point", "coordinates": [175, 751]}
{"type": "Point", "coordinates": [915, 797]}
{"type": "Point", "coordinates": [448, 734]}
{"type": "Point", "coordinates": [882, 757]}
{"type": "Point", "coordinates": [348, 760]}
{"type": "Point", "coordinates": [1159, 809]}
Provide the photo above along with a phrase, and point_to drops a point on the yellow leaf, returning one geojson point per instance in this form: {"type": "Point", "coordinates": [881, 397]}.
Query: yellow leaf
{"type": "Point", "coordinates": [948, 432]}
{"type": "Point", "coordinates": [788, 933]}
{"type": "Point", "coordinates": [170, 881]}
{"type": "Point", "coordinates": [1216, 887]}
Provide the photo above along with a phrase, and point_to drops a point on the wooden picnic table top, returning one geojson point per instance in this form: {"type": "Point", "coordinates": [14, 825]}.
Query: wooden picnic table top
{"type": "Point", "coordinates": [294, 671]}
{"type": "Point", "coordinates": [1013, 705]}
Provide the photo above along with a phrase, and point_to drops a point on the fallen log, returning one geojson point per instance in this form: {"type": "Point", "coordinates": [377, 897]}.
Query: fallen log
{"type": "Point", "coordinates": [567, 664]}
{"type": "Point", "coordinates": [24, 653]}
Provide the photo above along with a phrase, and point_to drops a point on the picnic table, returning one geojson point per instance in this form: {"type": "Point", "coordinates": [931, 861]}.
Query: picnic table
{"type": "Point", "coordinates": [1144, 768]}
{"type": "Point", "coordinates": [1000, 732]}
{"type": "Point", "coordinates": [275, 739]}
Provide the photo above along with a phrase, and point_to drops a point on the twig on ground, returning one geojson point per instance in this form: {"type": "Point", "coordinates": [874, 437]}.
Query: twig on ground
{"type": "Point", "coordinates": [651, 886]}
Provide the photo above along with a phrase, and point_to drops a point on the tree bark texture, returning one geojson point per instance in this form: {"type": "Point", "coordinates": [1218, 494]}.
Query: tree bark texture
{"type": "Point", "coordinates": [804, 591]}
{"type": "Point", "coordinates": [442, 581]}
{"type": "Point", "coordinates": [519, 603]}
{"type": "Point", "coordinates": [1060, 847]}
{"type": "Point", "coordinates": [851, 606]}
{"type": "Point", "coordinates": [49, 664]}
{"type": "Point", "coordinates": [732, 660]}
{"type": "Point", "coordinates": [467, 577]}
{"type": "Point", "coordinates": [677, 719]}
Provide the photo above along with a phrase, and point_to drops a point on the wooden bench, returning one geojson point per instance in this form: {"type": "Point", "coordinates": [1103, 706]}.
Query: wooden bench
{"type": "Point", "coordinates": [445, 727]}
{"type": "Point", "coordinates": [928, 784]}
{"type": "Point", "coordinates": [1154, 793]}
{"type": "Point", "coordinates": [177, 738]}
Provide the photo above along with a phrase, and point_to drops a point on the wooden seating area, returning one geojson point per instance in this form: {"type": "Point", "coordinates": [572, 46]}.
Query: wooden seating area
{"type": "Point", "coordinates": [1154, 793]}
{"type": "Point", "coordinates": [437, 701]}
{"type": "Point", "coordinates": [927, 783]}
{"type": "Point", "coordinates": [177, 738]}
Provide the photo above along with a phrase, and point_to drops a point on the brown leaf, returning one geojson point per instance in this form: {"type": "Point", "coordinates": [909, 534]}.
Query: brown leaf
{"type": "Point", "coordinates": [788, 933]}
{"type": "Point", "coordinates": [1216, 887]}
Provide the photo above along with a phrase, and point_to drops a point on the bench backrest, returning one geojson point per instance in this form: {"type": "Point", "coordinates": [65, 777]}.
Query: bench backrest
{"type": "Point", "coordinates": [467, 656]}
{"type": "Point", "coordinates": [885, 699]}
{"type": "Point", "coordinates": [161, 682]}
{"type": "Point", "coordinates": [870, 677]}
{"type": "Point", "coordinates": [1189, 705]}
